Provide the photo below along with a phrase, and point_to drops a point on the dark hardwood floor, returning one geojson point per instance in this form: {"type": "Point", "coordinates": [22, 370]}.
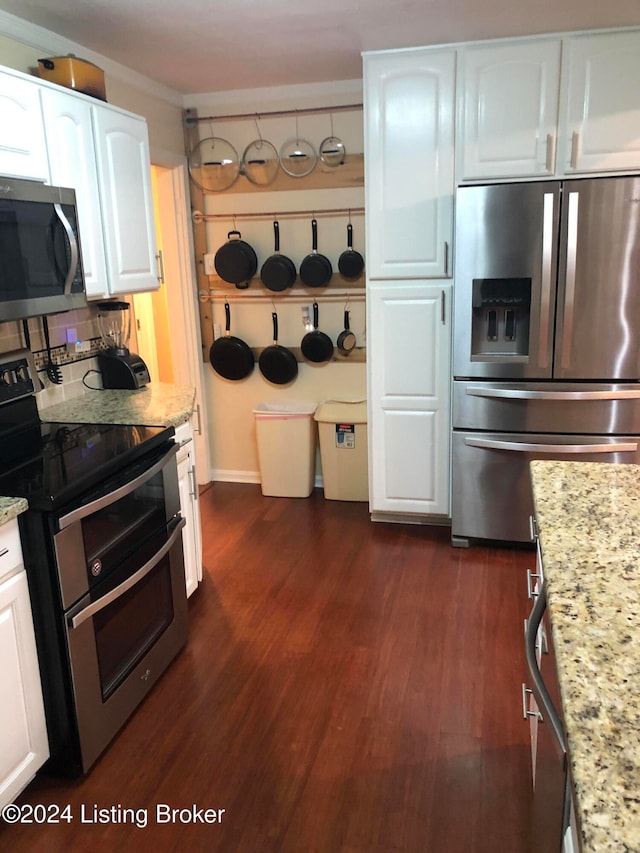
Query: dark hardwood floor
{"type": "Point", "coordinates": [347, 686]}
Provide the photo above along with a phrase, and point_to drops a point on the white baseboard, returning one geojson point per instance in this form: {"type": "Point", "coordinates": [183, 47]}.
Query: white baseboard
{"type": "Point", "coordinates": [405, 518]}
{"type": "Point", "coordinates": [224, 475]}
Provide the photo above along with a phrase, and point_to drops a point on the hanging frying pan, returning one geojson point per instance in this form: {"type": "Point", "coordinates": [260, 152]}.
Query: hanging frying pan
{"type": "Point", "coordinates": [315, 269]}
{"type": "Point", "coordinates": [277, 364]}
{"type": "Point", "coordinates": [278, 272]}
{"type": "Point", "coordinates": [316, 346]}
{"type": "Point", "coordinates": [231, 357]}
{"type": "Point", "coordinates": [346, 339]}
{"type": "Point", "coordinates": [236, 261]}
{"type": "Point", "coordinates": [350, 262]}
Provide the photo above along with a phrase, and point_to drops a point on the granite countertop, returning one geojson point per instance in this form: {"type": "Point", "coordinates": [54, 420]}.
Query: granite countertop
{"type": "Point", "coordinates": [588, 517]}
{"type": "Point", "coordinates": [157, 404]}
{"type": "Point", "coordinates": [11, 507]}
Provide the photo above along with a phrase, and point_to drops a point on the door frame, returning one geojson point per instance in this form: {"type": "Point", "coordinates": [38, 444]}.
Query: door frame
{"type": "Point", "coordinates": [179, 261]}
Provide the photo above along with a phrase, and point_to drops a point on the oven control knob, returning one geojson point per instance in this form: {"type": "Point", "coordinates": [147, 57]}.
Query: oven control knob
{"type": "Point", "coordinates": [9, 377]}
{"type": "Point", "coordinates": [95, 567]}
{"type": "Point", "coordinates": [23, 373]}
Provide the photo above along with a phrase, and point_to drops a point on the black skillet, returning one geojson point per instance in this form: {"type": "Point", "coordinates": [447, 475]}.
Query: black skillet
{"type": "Point", "coordinates": [278, 272]}
{"type": "Point", "coordinates": [316, 346]}
{"type": "Point", "coordinates": [277, 364]}
{"type": "Point", "coordinates": [231, 357]}
{"type": "Point", "coordinates": [236, 261]}
{"type": "Point", "coordinates": [315, 269]}
{"type": "Point", "coordinates": [350, 262]}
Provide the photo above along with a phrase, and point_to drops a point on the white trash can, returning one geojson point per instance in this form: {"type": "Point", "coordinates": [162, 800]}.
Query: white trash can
{"type": "Point", "coordinates": [286, 434]}
{"type": "Point", "coordinates": [342, 429]}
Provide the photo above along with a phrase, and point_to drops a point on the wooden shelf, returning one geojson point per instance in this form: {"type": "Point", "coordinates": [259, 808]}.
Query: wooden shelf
{"type": "Point", "coordinates": [349, 174]}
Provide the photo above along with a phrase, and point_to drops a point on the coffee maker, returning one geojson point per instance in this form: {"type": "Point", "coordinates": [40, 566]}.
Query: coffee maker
{"type": "Point", "coordinates": [119, 367]}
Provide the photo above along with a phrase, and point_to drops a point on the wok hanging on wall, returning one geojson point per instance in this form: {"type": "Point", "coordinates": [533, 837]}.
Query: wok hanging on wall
{"type": "Point", "coordinates": [231, 357]}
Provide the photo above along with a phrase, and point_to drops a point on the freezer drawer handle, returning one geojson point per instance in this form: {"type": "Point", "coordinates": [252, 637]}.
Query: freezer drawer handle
{"type": "Point", "coordinates": [526, 447]}
{"type": "Point", "coordinates": [519, 394]}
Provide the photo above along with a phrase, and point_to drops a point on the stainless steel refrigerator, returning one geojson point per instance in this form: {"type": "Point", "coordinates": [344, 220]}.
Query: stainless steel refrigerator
{"type": "Point", "coordinates": [546, 340]}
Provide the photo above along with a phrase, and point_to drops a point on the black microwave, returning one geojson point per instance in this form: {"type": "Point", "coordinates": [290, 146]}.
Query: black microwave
{"type": "Point", "coordinates": [40, 263]}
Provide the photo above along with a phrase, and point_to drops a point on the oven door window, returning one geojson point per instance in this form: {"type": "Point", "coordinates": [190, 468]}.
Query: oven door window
{"type": "Point", "coordinates": [127, 628]}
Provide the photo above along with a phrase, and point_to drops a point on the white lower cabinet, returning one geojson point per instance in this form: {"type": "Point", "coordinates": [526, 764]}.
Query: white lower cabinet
{"type": "Point", "coordinates": [23, 732]}
{"type": "Point", "coordinates": [409, 391]}
{"type": "Point", "coordinates": [188, 486]}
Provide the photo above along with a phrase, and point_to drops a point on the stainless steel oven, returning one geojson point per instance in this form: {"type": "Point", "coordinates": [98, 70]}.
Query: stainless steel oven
{"type": "Point", "coordinates": [102, 543]}
{"type": "Point", "coordinates": [121, 576]}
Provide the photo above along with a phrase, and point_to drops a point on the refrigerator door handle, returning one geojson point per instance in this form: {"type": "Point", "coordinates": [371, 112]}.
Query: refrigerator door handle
{"type": "Point", "coordinates": [526, 447]}
{"type": "Point", "coordinates": [570, 278]}
{"type": "Point", "coordinates": [520, 394]}
{"type": "Point", "coordinates": [545, 284]}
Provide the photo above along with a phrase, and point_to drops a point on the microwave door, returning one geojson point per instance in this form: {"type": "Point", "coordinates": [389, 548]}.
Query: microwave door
{"type": "Point", "coordinates": [599, 271]}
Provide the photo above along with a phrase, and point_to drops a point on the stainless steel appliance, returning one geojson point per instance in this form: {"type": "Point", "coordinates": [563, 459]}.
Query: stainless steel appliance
{"type": "Point", "coordinates": [103, 553]}
{"type": "Point", "coordinates": [120, 368]}
{"type": "Point", "coordinates": [41, 270]}
{"type": "Point", "coordinates": [546, 340]}
{"type": "Point", "coordinates": [550, 817]}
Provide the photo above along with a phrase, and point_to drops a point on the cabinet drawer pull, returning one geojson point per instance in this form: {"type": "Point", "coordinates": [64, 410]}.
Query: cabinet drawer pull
{"type": "Point", "coordinates": [575, 140]}
{"type": "Point", "coordinates": [526, 692]}
{"type": "Point", "coordinates": [551, 152]}
{"type": "Point", "coordinates": [446, 258]}
{"type": "Point", "coordinates": [4, 552]}
{"type": "Point", "coordinates": [533, 530]}
{"type": "Point", "coordinates": [530, 591]}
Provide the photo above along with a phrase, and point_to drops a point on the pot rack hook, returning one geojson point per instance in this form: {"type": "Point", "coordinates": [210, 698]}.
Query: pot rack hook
{"type": "Point", "coordinates": [256, 117]}
{"type": "Point", "coordinates": [331, 122]}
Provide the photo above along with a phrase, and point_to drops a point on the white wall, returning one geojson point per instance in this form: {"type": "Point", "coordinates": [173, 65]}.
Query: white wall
{"type": "Point", "coordinates": [230, 403]}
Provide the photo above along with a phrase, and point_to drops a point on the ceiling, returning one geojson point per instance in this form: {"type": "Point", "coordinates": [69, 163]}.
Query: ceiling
{"type": "Point", "coordinates": [196, 46]}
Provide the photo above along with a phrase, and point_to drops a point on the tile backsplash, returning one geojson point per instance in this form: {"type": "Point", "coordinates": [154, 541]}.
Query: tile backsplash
{"type": "Point", "coordinates": [79, 371]}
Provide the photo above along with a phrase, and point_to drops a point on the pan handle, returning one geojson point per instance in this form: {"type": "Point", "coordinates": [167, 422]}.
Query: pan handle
{"type": "Point", "coordinates": [346, 319]}
{"type": "Point", "coordinates": [314, 235]}
{"type": "Point", "coordinates": [315, 315]}
{"type": "Point", "coordinates": [227, 314]}
{"type": "Point", "coordinates": [276, 236]}
{"type": "Point", "coordinates": [274, 317]}
{"type": "Point", "coordinates": [350, 236]}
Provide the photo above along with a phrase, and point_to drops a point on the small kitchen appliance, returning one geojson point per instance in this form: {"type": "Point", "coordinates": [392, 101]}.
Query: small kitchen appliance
{"type": "Point", "coordinates": [120, 368]}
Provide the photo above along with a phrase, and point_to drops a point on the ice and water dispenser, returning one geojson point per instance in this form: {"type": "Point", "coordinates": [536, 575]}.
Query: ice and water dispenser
{"type": "Point", "coordinates": [500, 317]}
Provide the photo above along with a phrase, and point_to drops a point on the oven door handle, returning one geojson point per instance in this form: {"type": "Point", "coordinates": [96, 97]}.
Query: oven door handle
{"type": "Point", "coordinates": [528, 447]}
{"type": "Point", "coordinates": [131, 581]}
{"type": "Point", "coordinates": [112, 497]}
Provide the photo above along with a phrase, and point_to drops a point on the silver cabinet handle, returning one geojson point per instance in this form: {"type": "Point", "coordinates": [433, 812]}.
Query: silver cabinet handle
{"type": "Point", "coordinates": [73, 244]}
{"type": "Point", "coordinates": [545, 283]}
{"type": "Point", "coordinates": [533, 530]}
{"type": "Point", "coordinates": [526, 692]}
{"type": "Point", "coordinates": [194, 484]}
{"type": "Point", "coordinates": [199, 427]}
{"type": "Point", "coordinates": [4, 552]}
{"type": "Point", "coordinates": [519, 394]}
{"type": "Point", "coordinates": [446, 258]}
{"type": "Point", "coordinates": [112, 497]}
{"type": "Point", "coordinates": [570, 277]}
{"type": "Point", "coordinates": [551, 152]}
{"type": "Point", "coordinates": [526, 447]}
{"type": "Point", "coordinates": [443, 300]}
{"type": "Point", "coordinates": [160, 260]}
{"type": "Point", "coordinates": [531, 594]}
{"type": "Point", "coordinates": [575, 141]}
{"type": "Point", "coordinates": [131, 581]}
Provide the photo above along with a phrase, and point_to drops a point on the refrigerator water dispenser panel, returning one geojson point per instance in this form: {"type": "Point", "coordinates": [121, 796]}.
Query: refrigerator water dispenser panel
{"type": "Point", "coordinates": [501, 311]}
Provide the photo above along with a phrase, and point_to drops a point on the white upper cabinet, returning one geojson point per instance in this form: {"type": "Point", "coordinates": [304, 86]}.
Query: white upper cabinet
{"type": "Point", "coordinates": [72, 161]}
{"type": "Point", "coordinates": [124, 174]}
{"type": "Point", "coordinates": [509, 109]}
{"type": "Point", "coordinates": [23, 153]}
{"type": "Point", "coordinates": [601, 127]}
{"type": "Point", "coordinates": [409, 107]}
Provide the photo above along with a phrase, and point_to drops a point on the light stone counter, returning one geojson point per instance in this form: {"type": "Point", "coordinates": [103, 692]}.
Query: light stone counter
{"type": "Point", "coordinates": [588, 517]}
{"type": "Point", "coordinates": [158, 404]}
{"type": "Point", "coordinates": [11, 508]}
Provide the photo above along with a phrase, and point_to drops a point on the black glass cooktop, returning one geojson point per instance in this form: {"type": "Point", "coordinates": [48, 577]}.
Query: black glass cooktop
{"type": "Point", "coordinates": [52, 464]}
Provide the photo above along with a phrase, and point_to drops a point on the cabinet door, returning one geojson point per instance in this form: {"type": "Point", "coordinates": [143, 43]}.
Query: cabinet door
{"type": "Point", "coordinates": [72, 160]}
{"type": "Point", "coordinates": [409, 393]}
{"type": "Point", "coordinates": [23, 734]}
{"type": "Point", "coordinates": [23, 153]}
{"type": "Point", "coordinates": [124, 173]}
{"type": "Point", "coordinates": [509, 109]}
{"type": "Point", "coordinates": [602, 127]}
{"type": "Point", "coordinates": [409, 99]}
